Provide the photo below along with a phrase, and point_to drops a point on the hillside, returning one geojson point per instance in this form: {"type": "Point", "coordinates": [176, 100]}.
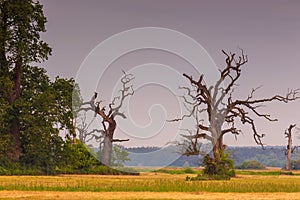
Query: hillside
{"type": "Point", "coordinates": [272, 156]}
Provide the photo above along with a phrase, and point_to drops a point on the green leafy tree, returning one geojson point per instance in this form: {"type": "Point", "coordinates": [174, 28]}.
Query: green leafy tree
{"type": "Point", "coordinates": [78, 158]}
{"type": "Point", "coordinates": [119, 155]}
{"type": "Point", "coordinates": [44, 111]}
{"type": "Point", "coordinates": [21, 22]}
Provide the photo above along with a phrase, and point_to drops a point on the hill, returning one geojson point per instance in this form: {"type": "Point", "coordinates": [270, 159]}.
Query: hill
{"type": "Point", "coordinates": [272, 156]}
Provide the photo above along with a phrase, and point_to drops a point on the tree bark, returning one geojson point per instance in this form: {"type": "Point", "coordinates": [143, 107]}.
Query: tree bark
{"type": "Point", "coordinates": [108, 143]}
{"type": "Point", "coordinates": [288, 155]}
{"type": "Point", "coordinates": [15, 132]}
{"type": "Point", "coordinates": [15, 126]}
{"type": "Point", "coordinates": [289, 149]}
{"type": "Point", "coordinates": [216, 151]}
{"type": "Point", "coordinates": [107, 151]}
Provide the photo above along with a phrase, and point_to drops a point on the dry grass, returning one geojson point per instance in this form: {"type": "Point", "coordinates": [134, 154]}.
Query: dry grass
{"type": "Point", "coordinates": [26, 195]}
{"type": "Point", "coordinates": [147, 186]}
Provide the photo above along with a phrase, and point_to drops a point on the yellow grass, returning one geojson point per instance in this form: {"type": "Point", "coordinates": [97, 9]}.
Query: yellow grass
{"type": "Point", "coordinates": [97, 181]}
{"type": "Point", "coordinates": [26, 195]}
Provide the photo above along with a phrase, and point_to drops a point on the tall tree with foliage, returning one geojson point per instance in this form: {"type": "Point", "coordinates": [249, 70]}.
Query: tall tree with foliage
{"type": "Point", "coordinates": [217, 112]}
{"type": "Point", "coordinates": [21, 22]}
{"type": "Point", "coordinates": [45, 110]}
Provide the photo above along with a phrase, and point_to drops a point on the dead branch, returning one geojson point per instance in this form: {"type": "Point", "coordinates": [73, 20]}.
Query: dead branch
{"type": "Point", "coordinates": [120, 140]}
{"type": "Point", "coordinates": [217, 103]}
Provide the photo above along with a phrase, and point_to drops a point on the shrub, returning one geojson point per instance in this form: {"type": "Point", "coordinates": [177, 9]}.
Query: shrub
{"type": "Point", "coordinates": [222, 169]}
{"type": "Point", "coordinates": [295, 164]}
{"type": "Point", "coordinates": [189, 170]}
{"type": "Point", "coordinates": [78, 158]}
{"type": "Point", "coordinates": [251, 164]}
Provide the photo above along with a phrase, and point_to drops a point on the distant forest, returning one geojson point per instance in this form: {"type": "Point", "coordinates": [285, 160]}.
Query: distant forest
{"type": "Point", "coordinates": [272, 156]}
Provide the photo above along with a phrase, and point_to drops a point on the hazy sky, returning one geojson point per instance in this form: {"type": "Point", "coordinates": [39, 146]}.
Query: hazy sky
{"type": "Point", "coordinates": [268, 31]}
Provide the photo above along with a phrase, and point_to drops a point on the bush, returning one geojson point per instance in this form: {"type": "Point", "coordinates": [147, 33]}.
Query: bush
{"type": "Point", "coordinates": [222, 169]}
{"type": "Point", "coordinates": [99, 170]}
{"type": "Point", "coordinates": [295, 164]}
{"type": "Point", "coordinates": [251, 164]}
{"type": "Point", "coordinates": [186, 170]}
{"type": "Point", "coordinates": [78, 158]}
{"type": "Point", "coordinates": [189, 170]}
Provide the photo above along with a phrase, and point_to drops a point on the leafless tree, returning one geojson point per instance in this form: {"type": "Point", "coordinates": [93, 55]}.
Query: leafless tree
{"type": "Point", "coordinates": [220, 110]}
{"type": "Point", "coordinates": [85, 134]}
{"type": "Point", "coordinates": [108, 116]}
{"type": "Point", "coordinates": [289, 148]}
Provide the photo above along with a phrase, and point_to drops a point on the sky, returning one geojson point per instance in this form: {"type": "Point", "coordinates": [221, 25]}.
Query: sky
{"type": "Point", "coordinates": [94, 40]}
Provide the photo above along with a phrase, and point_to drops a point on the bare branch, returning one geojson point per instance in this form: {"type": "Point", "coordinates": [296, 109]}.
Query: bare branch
{"type": "Point", "coordinates": [120, 140]}
{"type": "Point", "coordinates": [217, 103]}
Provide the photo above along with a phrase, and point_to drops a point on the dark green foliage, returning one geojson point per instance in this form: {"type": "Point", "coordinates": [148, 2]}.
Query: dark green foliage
{"type": "Point", "coordinates": [265, 173]}
{"type": "Point", "coordinates": [27, 110]}
{"type": "Point", "coordinates": [21, 23]}
{"type": "Point", "coordinates": [189, 170]}
{"type": "Point", "coordinates": [78, 158]}
{"type": "Point", "coordinates": [43, 109]}
{"type": "Point", "coordinates": [250, 164]}
{"type": "Point", "coordinates": [186, 170]}
{"type": "Point", "coordinates": [98, 170]}
{"type": "Point", "coordinates": [34, 110]}
{"type": "Point", "coordinates": [222, 169]}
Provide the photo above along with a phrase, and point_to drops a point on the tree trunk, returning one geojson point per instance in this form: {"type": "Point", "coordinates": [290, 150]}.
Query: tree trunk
{"type": "Point", "coordinates": [15, 126]}
{"type": "Point", "coordinates": [15, 132]}
{"type": "Point", "coordinates": [288, 153]}
{"type": "Point", "coordinates": [218, 138]}
{"type": "Point", "coordinates": [216, 151]}
{"type": "Point", "coordinates": [108, 143]}
{"type": "Point", "coordinates": [107, 151]}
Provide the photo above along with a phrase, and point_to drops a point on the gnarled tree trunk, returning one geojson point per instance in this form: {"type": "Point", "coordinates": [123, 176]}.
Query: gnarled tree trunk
{"type": "Point", "coordinates": [107, 151]}
{"type": "Point", "coordinates": [288, 154]}
{"type": "Point", "coordinates": [109, 123]}
{"type": "Point", "coordinates": [108, 143]}
{"type": "Point", "coordinates": [289, 148]}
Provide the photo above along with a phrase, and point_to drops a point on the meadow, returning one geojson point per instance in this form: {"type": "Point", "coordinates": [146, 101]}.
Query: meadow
{"type": "Point", "coordinates": [151, 185]}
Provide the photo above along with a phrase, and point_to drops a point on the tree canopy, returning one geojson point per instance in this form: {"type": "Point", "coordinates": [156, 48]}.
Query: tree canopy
{"type": "Point", "coordinates": [34, 110]}
{"type": "Point", "coordinates": [21, 22]}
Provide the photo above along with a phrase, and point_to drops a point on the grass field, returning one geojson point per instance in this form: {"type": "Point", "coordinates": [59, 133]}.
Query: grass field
{"type": "Point", "coordinates": [150, 186]}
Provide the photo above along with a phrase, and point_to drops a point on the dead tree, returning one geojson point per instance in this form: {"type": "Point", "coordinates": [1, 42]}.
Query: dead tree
{"type": "Point", "coordinates": [220, 111]}
{"type": "Point", "coordinates": [109, 115]}
{"type": "Point", "coordinates": [289, 148]}
{"type": "Point", "coordinates": [85, 134]}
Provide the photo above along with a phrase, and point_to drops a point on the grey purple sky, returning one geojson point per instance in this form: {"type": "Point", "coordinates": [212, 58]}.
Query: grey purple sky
{"type": "Point", "coordinates": [268, 31]}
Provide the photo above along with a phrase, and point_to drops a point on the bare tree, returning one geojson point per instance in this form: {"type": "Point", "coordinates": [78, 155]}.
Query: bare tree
{"type": "Point", "coordinates": [108, 117]}
{"type": "Point", "coordinates": [221, 110]}
{"type": "Point", "coordinates": [85, 134]}
{"type": "Point", "coordinates": [289, 148]}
